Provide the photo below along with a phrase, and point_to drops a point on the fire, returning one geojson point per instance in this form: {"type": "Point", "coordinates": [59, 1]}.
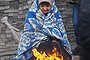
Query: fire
{"type": "Point", "coordinates": [44, 56]}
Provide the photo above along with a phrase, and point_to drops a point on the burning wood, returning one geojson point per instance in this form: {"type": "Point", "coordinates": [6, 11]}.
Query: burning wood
{"type": "Point", "coordinates": [43, 56]}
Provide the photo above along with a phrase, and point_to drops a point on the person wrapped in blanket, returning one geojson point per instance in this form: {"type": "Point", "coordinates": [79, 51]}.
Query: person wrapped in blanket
{"type": "Point", "coordinates": [43, 19]}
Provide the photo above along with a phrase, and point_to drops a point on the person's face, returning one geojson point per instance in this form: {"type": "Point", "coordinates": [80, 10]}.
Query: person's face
{"type": "Point", "coordinates": [45, 7]}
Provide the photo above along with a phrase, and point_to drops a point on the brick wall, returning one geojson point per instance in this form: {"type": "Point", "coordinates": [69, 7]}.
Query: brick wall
{"type": "Point", "coordinates": [16, 12]}
{"type": "Point", "coordinates": [7, 44]}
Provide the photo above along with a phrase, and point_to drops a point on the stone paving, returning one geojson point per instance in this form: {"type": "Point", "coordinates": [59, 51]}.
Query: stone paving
{"type": "Point", "coordinates": [76, 58]}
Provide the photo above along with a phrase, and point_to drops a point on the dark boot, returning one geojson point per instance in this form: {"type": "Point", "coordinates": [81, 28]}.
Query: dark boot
{"type": "Point", "coordinates": [76, 51]}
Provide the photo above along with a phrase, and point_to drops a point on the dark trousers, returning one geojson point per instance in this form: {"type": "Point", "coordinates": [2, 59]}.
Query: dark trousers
{"type": "Point", "coordinates": [84, 53]}
{"type": "Point", "coordinates": [84, 33]}
{"type": "Point", "coordinates": [75, 20]}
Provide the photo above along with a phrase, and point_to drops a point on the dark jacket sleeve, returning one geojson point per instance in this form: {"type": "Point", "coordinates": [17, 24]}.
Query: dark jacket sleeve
{"type": "Point", "coordinates": [84, 23]}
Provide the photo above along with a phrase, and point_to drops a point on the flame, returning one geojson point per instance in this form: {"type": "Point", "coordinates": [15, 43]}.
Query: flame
{"type": "Point", "coordinates": [44, 56]}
